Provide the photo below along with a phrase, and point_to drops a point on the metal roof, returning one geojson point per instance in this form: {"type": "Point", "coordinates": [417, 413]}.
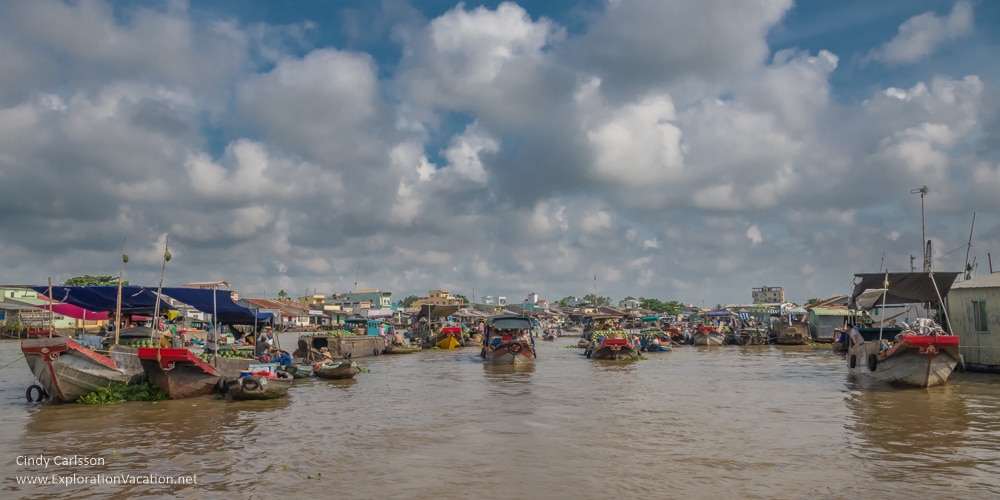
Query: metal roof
{"type": "Point", "coordinates": [988, 281]}
{"type": "Point", "coordinates": [832, 311]}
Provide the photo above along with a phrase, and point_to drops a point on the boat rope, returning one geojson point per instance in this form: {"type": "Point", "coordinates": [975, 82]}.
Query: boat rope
{"type": "Point", "coordinates": [12, 362]}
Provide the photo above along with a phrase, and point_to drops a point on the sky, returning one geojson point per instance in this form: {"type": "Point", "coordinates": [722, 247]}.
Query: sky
{"type": "Point", "coordinates": [682, 150]}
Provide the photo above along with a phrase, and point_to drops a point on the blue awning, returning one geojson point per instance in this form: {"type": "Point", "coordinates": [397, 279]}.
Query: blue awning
{"type": "Point", "coordinates": [142, 300]}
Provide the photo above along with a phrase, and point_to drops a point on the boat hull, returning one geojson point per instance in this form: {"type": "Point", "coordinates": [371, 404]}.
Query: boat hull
{"type": "Point", "coordinates": [402, 349]}
{"type": "Point", "coordinates": [793, 335]}
{"type": "Point", "coordinates": [510, 353]}
{"type": "Point", "coordinates": [298, 370]}
{"type": "Point", "coordinates": [337, 371]}
{"type": "Point", "coordinates": [181, 374]}
{"type": "Point", "coordinates": [915, 361]}
{"type": "Point", "coordinates": [257, 387]}
{"type": "Point", "coordinates": [67, 370]}
{"type": "Point", "coordinates": [708, 339]}
{"type": "Point", "coordinates": [613, 349]}
{"type": "Point", "coordinates": [447, 342]}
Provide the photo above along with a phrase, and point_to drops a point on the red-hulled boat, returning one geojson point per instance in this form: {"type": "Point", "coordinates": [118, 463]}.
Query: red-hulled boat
{"type": "Point", "coordinates": [66, 370]}
{"type": "Point", "coordinates": [923, 354]}
{"type": "Point", "coordinates": [182, 374]}
{"type": "Point", "coordinates": [509, 341]}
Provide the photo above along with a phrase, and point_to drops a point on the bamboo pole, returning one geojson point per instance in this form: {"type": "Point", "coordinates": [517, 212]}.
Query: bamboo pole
{"type": "Point", "coordinates": [50, 307]}
{"type": "Point", "coordinates": [159, 290]}
{"type": "Point", "coordinates": [118, 305]}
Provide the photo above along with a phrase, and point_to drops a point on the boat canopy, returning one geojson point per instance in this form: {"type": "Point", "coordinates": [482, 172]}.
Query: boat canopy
{"type": "Point", "coordinates": [651, 318]}
{"type": "Point", "coordinates": [432, 311]}
{"type": "Point", "coordinates": [903, 288]}
{"type": "Point", "coordinates": [142, 300]}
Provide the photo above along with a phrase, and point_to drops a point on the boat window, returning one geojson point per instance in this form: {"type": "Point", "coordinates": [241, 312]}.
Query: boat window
{"type": "Point", "coordinates": [980, 317]}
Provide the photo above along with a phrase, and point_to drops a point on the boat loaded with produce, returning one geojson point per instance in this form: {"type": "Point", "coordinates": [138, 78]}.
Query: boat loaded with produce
{"type": "Point", "coordinates": [65, 369]}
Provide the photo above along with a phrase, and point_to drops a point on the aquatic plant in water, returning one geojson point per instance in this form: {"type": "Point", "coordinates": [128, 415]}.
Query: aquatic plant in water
{"type": "Point", "coordinates": [123, 392]}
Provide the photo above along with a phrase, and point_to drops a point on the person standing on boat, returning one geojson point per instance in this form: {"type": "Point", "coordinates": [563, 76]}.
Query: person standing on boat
{"type": "Point", "coordinates": [855, 335]}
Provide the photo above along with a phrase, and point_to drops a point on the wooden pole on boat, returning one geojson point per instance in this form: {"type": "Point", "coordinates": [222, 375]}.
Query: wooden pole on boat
{"type": "Point", "coordinates": [968, 248]}
{"type": "Point", "coordinates": [50, 307]}
{"type": "Point", "coordinates": [159, 290]}
{"type": "Point", "coordinates": [118, 305]}
{"type": "Point", "coordinates": [944, 310]}
{"type": "Point", "coordinates": [881, 324]}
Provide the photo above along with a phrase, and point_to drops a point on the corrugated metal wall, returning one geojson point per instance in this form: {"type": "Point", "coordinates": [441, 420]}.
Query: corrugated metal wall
{"type": "Point", "coordinates": [977, 348]}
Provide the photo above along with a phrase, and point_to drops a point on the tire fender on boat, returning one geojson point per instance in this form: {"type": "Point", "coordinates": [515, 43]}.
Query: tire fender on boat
{"type": "Point", "coordinates": [249, 384]}
{"type": "Point", "coordinates": [515, 347]}
{"type": "Point", "coordinates": [35, 393]}
{"type": "Point", "coordinates": [872, 362]}
{"type": "Point", "coordinates": [853, 361]}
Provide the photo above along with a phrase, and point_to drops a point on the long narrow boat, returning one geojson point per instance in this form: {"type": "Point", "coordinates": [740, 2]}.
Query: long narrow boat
{"type": "Point", "coordinates": [66, 370]}
{"type": "Point", "coordinates": [611, 345]}
{"type": "Point", "coordinates": [923, 354]}
{"type": "Point", "coordinates": [509, 341]}
{"type": "Point", "coordinates": [263, 382]}
{"type": "Point", "coordinates": [336, 370]}
{"type": "Point", "coordinates": [707, 335]}
{"type": "Point", "coordinates": [402, 349]}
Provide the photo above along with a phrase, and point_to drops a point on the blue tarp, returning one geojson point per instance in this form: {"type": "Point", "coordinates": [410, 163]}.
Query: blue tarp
{"type": "Point", "coordinates": [142, 300]}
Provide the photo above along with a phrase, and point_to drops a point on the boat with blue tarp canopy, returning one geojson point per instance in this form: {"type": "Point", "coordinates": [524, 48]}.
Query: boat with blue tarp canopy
{"type": "Point", "coordinates": [139, 299]}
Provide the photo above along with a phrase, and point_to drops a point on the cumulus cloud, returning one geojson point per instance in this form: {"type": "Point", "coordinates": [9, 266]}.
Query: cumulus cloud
{"type": "Point", "coordinates": [921, 35]}
{"type": "Point", "coordinates": [657, 145]}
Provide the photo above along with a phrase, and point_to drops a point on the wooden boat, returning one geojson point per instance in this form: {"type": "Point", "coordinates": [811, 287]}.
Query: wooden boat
{"type": "Point", "coordinates": [749, 336]}
{"type": "Point", "coordinates": [611, 345]}
{"type": "Point", "coordinates": [509, 341]}
{"type": "Point", "coordinates": [476, 340]}
{"type": "Point", "coordinates": [678, 336]}
{"type": "Point", "coordinates": [262, 382]}
{"type": "Point", "coordinates": [66, 370]}
{"type": "Point", "coordinates": [922, 354]}
{"type": "Point", "coordinates": [450, 337]}
{"type": "Point", "coordinates": [707, 335]}
{"type": "Point", "coordinates": [402, 349]}
{"type": "Point", "coordinates": [298, 370]}
{"type": "Point", "coordinates": [182, 374]}
{"type": "Point", "coordinates": [654, 340]}
{"type": "Point", "coordinates": [791, 329]}
{"type": "Point", "coordinates": [336, 370]}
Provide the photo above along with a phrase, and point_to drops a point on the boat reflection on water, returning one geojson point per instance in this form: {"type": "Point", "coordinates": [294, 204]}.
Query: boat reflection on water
{"type": "Point", "coordinates": [492, 369]}
{"type": "Point", "coordinates": [912, 437]}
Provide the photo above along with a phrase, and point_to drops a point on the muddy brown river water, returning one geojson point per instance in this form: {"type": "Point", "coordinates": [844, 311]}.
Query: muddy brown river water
{"type": "Point", "coordinates": [719, 422]}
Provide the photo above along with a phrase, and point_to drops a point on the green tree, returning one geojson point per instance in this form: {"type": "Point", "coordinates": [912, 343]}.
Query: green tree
{"type": "Point", "coordinates": [88, 280]}
{"type": "Point", "coordinates": [597, 301]}
{"type": "Point", "coordinates": [465, 300]}
{"type": "Point", "coordinates": [811, 301]}
{"type": "Point", "coordinates": [564, 302]}
{"type": "Point", "coordinates": [408, 301]}
{"type": "Point", "coordinates": [282, 295]}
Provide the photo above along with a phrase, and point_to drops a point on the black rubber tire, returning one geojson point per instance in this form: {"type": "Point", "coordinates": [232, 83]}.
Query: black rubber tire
{"type": "Point", "coordinates": [872, 362]}
{"type": "Point", "coordinates": [853, 362]}
{"type": "Point", "coordinates": [515, 347]}
{"type": "Point", "coordinates": [35, 390]}
{"type": "Point", "coordinates": [249, 384]}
